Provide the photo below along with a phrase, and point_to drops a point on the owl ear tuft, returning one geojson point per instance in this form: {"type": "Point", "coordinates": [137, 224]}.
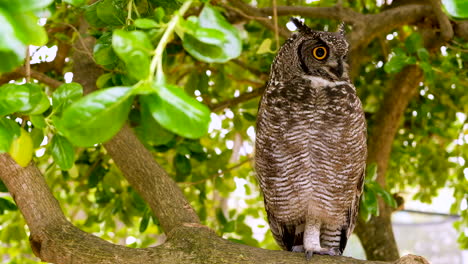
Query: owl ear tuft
{"type": "Point", "coordinates": [342, 28]}
{"type": "Point", "coordinates": [301, 27]}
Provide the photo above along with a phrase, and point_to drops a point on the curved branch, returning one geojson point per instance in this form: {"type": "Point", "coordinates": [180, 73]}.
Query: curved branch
{"type": "Point", "coordinates": [54, 239]}
{"type": "Point", "coordinates": [162, 194]}
{"type": "Point", "coordinates": [250, 11]}
{"type": "Point", "coordinates": [446, 30]}
{"type": "Point", "coordinates": [335, 12]}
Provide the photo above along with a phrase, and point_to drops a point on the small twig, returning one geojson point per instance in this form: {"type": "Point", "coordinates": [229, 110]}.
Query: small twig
{"type": "Point", "coordinates": [275, 21]}
{"type": "Point", "coordinates": [245, 81]}
{"type": "Point", "coordinates": [28, 65]}
{"type": "Point", "coordinates": [237, 100]}
{"type": "Point", "coordinates": [214, 176]}
{"type": "Point", "coordinates": [456, 48]}
{"type": "Point", "coordinates": [86, 50]}
{"type": "Point", "coordinates": [244, 65]}
{"type": "Point", "coordinates": [244, 15]}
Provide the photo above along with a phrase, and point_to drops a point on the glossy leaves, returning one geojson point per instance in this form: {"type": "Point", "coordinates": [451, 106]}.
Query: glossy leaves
{"type": "Point", "coordinates": [62, 152]}
{"type": "Point", "coordinates": [178, 112]}
{"type": "Point", "coordinates": [96, 117]}
{"type": "Point", "coordinates": [9, 130]}
{"type": "Point", "coordinates": [134, 49]}
{"type": "Point", "coordinates": [210, 38]}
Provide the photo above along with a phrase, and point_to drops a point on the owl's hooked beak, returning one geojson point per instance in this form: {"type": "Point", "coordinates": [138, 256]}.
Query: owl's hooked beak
{"type": "Point", "coordinates": [338, 70]}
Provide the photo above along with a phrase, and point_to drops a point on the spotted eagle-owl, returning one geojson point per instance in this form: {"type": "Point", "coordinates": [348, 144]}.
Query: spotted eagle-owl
{"type": "Point", "coordinates": [311, 144]}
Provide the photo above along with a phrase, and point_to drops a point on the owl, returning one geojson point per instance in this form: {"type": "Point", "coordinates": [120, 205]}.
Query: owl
{"type": "Point", "coordinates": [311, 144]}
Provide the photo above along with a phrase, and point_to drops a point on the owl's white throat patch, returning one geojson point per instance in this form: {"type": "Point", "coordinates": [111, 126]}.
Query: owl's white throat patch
{"type": "Point", "coordinates": [321, 82]}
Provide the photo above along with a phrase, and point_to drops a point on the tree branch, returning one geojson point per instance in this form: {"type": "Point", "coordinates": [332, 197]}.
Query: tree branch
{"type": "Point", "coordinates": [150, 180]}
{"type": "Point", "coordinates": [335, 12]}
{"type": "Point", "coordinates": [237, 100]}
{"type": "Point", "coordinates": [54, 239]}
{"type": "Point", "coordinates": [255, 12]}
{"type": "Point", "coordinates": [446, 30]}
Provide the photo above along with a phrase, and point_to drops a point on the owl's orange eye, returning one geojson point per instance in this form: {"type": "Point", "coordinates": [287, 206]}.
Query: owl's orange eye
{"type": "Point", "coordinates": [319, 52]}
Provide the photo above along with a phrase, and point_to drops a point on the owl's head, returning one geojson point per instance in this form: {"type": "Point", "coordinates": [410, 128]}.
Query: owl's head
{"type": "Point", "coordinates": [315, 53]}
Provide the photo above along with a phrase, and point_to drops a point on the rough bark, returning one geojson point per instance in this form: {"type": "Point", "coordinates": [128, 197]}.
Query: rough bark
{"type": "Point", "coordinates": [54, 239]}
{"type": "Point", "coordinates": [150, 180]}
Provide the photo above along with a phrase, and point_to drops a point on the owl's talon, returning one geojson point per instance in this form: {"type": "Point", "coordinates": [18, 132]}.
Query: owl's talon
{"type": "Point", "coordinates": [299, 248]}
{"type": "Point", "coordinates": [309, 254]}
{"type": "Point", "coordinates": [328, 251]}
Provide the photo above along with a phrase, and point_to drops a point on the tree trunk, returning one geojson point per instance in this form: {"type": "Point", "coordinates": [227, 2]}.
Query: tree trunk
{"type": "Point", "coordinates": [377, 235]}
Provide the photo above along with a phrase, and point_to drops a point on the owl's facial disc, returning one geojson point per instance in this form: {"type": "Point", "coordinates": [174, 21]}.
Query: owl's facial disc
{"type": "Point", "coordinates": [318, 59]}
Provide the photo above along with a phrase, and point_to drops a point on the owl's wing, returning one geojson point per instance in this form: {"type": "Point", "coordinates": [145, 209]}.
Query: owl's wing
{"type": "Point", "coordinates": [272, 118]}
{"type": "Point", "coordinates": [353, 212]}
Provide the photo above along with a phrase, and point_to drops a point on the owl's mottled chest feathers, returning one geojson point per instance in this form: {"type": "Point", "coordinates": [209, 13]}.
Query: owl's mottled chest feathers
{"type": "Point", "coordinates": [309, 93]}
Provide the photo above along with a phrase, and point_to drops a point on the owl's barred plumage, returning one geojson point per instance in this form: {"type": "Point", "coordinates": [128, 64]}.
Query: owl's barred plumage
{"type": "Point", "coordinates": [311, 145]}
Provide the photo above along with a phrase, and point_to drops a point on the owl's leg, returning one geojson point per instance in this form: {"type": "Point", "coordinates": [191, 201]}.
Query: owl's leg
{"type": "Point", "coordinates": [312, 237]}
{"type": "Point", "coordinates": [312, 240]}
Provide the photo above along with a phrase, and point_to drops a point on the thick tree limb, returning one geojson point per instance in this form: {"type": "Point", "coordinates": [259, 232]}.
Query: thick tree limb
{"type": "Point", "coordinates": [446, 30]}
{"type": "Point", "coordinates": [54, 239]}
{"type": "Point", "coordinates": [150, 180]}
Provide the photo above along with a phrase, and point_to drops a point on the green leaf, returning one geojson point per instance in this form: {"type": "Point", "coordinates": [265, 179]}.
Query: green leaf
{"type": "Point", "coordinates": [145, 23]}
{"type": "Point", "coordinates": [25, 5]}
{"type": "Point", "coordinates": [178, 112]}
{"type": "Point", "coordinates": [397, 62]}
{"type": "Point", "coordinates": [12, 50]}
{"type": "Point", "coordinates": [151, 131]}
{"type": "Point", "coordinates": [134, 49]}
{"type": "Point", "coordinates": [96, 117]}
{"type": "Point", "coordinates": [211, 18]}
{"type": "Point", "coordinates": [6, 205]}
{"type": "Point", "coordinates": [76, 3]}
{"type": "Point", "coordinates": [371, 172]}
{"type": "Point", "coordinates": [14, 98]}
{"type": "Point", "coordinates": [92, 17]}
{"type": "Point", "coordinates": [111, 12]}
{"type": "Point", "coordinates": [159, 14]}
{"type": "Point", "coordinates": [386, 196]}
{"type": "Point", "coordinates": [37, 99]}
{"type": "Point", "coordinates": [265, 47]}
{"type": "Point", "coordinates": [413, 42]}
{"type": "Point", "coordinates": [3, 188]}
{"type": "Point", "coordinates": [423, 54]}
{"type": "Point", "coordinates": [105, 80]}
{"type": "Point", "coordinates": [145, 220]}
{"type": "Point", "coordinates": [26, 98]}
{"type": "Point", "coordinates": [38, 121]}
{"type": "Point", "coordinates": [28, 31]}
{"type": "Point", "coordinates": [369, 199]}
{"type": "Point", "coordinates": [9, 130]}
{"type": "Point", "coordinates": [65, 95]}
{"type": "Point", "coordinates": [210, 38]}
{"type": "Point", "coordinates": [103, 53]}
{"type": "Point", "coordinates": [62, 152]}
{"type": "Point", "coordinates": [182, 166]}
{"type": "Point", "coordinates": [37, 136]}
{"type": "Point", "coordinates": [456, 8]}
{"type": "Point", "coordinates": [95, 176]}
{"type": "Point", "coordinates": [428, 71]}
